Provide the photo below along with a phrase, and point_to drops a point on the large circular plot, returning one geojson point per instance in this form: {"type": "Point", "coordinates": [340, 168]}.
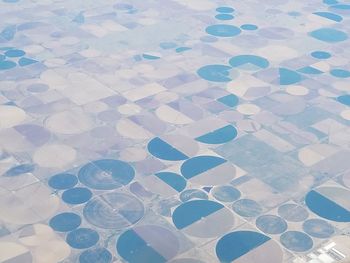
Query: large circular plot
{"type": "Point", "coordinates": [106, 174]}
{"type": "Point", "coordinates": [208, 170]}
{"type": "Point", "coordinates": [203, 218]}
{"type": "Point", "coordinates": [248, 246]}
{"type": "Point", "coordinates": [332, 203]}
{"type": "Point", "coordinates": [147, 243]}
{"type": "Point", "coordinates": [113, 211]}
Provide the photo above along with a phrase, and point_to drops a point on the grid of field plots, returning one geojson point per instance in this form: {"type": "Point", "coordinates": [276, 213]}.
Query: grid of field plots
{"type": "Point", "coordinates": [182, 131]}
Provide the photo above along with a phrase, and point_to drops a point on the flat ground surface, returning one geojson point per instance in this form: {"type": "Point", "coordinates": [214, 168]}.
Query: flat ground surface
{"type": "Point", "coordinates": [182, 131]}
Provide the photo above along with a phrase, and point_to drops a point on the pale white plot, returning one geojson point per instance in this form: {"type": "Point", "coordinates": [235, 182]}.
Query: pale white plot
{"type": "Point", "coordinates": [168, 114]}
{"type": "Point", "coordinates": [248, 109]}
{"type": "Point", "coordinates": [81, 89]}
{"type": "Point", "coordinates": [73, 121]}
{"type": "Point", "coordinates": [130, 129]}
{"type": "Point", "coordinates": [10, 116]}
{"type": "Point", "coordinates": [54, 155]}
{"type": "Point", "coordinates": [297, 90]}
{"type": "Point", "coordinates": [143, 92]}
{"type": "Point", "coordinates": [28, 205]}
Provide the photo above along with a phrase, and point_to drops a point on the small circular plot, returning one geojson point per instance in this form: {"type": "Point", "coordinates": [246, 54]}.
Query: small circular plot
{"type": "Point", "coordinates": [106, 174]}
{"type": "Point", "coordinates": [224, 17]}
{"type": "Point", "coordinates": [296, 241]}
{"type": "Point", "coordinates": [318, 228]}
{"type": "Point", "coordinates": [14, 53]}
{"type": "Point", "coordinates": [222, 30]}
{"type": "Point", "coordinates": [65, 222]}
{"type": "Point", "coordinates": [271, 224]}
{"type": "Point", "coordinates": [96, 255]}
{"type": "Point", "coordinates": [77, 195]}
{"type": "Point", "coordinates": [321, 54]}
{"type": "Point", "coordinates": [215, 73]}
{"type": "Point", "coordinates": [202, 218]}
{"type": "Point", "coordinates": [225, 9]}
{"type": "Point", "coordinates": [82, 238]}
{"type": "Point", "coordinates": [293, 212]}
{"type": "Point", "coordinates": [113, 211]}
{"type": "Point", "coordinates": [247, 208]}
{"type": "Point", "coordinates": [247, 246]}
{"type": "Point", "coordinates": [248, 109]}
{"type": "Point", "coordinates": [225, 193]}
{"type": "Point", "coordinates": [63, 181]}
{"type": "Point", "coordinates": [329, 35]}
{"type": "Point", "coordinates": [331, 203]}
{"type": "Point", "coordinates": [208, 170]}
{"type": "Point", "coordinates": [249, 27]}
{"type": "Point", "coordinates": [148, 243]}
{"type": "Point", "coordinates": [340, 73]}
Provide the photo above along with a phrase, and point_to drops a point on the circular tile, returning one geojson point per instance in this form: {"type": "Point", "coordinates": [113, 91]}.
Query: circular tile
{"type": "Point", "coordinates": [113, 211]}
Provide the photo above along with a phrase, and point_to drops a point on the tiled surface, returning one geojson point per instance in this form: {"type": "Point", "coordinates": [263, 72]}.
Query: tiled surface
{"type": "Point", "coordinates": [179, 131]}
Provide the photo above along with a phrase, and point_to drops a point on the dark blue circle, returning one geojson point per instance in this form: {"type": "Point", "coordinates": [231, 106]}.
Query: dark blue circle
{"type": "Point", "coordinates": [225, 193]}
{"type": "Point", "coordinates": [318, 228]}
{"type": "Point", "coordinates": [247, 208]}
{"type": "Point", "coordinates": [106, 174]}
{"type": "Point", "coordinates": [65, 222]}
{"type": "Point", "coordinates": [63, 181]}
{"type": "Point", "coordinates": [78, 195]}
{"type": "Point", "coordinates": [82, 238]}
{"type": "Point", "coordinates": [225, 9]}
{"type": "Point", "coordinates": [14, 53]}
{"type": "Point", "coordinates": [321, 54]}
{"type": "Point", "coordinates": [293, 212]}
{"type": "Point", "coordinates": [296, 241]}
{"type": "Point", "coordinates": [224, 17]}
{"type": "Point", "coordinates": [249, 27]}
{"type": "Point", "coordinates": [271, 224]}
{"type": "Point", "coordinates": [96, 255]}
